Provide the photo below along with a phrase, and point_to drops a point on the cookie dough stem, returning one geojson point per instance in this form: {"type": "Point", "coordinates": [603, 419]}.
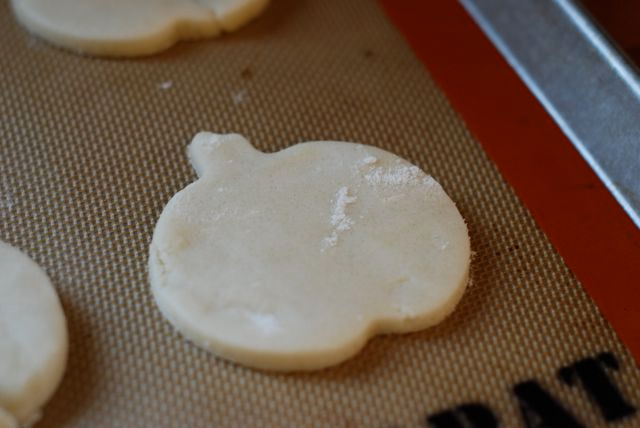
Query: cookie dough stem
{"type": "Point", "coordinates": [210, 152]}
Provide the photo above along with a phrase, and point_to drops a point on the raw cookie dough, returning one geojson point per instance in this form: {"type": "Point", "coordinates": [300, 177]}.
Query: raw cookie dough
{"type": "Point", "coordinates": [33, 338]}
{"type": "Point", "coordinates": [131, 27]}
{"type": "Point", "coordinates": [293, 260]}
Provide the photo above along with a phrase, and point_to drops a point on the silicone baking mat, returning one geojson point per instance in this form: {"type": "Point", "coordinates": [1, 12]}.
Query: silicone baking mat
{"type": "Point", "coordinates": [91, 150]}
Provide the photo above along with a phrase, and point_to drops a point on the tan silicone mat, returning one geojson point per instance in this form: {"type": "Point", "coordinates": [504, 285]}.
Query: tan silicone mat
{"type": "Point", "coordinates": [91, 149]}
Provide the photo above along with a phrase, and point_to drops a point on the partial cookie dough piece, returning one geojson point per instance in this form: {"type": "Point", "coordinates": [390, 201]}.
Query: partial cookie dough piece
{"type": "Point", "coordinates": [33, 338]}
{"type": "Point", "coordinates": [131, 27]}
{"type": "Point", "coordinates": [293, 260]}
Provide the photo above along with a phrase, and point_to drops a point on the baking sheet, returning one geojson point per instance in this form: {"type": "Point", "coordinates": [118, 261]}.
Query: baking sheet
{"type": "Point", "coordinates": [91, 149]}
{"type": "Point", "coordinates": [585, 83]}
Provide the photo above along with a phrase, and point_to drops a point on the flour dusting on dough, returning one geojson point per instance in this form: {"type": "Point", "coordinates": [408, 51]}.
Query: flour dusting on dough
{"type": "Point", "coordinates": [211, 143]}
{"type": "Point", "coordinates": [265, 322]}
{"type": "Point", "coordinates": [394, 176]}
{"type": "Point", "coordinates": [369, 160]}
{"type": "Point", "coordinates": [339, 218]}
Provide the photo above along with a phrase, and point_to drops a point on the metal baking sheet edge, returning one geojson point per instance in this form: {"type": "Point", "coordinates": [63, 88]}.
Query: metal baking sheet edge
{"type": "Point", "coordinates": [586, 85]}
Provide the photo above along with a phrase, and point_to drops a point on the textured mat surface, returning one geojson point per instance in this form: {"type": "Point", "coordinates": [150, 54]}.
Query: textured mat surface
{"type": "Point", "coordinates": [91, 150]}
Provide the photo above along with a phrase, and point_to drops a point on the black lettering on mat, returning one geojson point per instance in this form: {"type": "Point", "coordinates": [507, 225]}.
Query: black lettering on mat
{"type": "Point", "coordinates": [592, 375]}
{"type": "Point", "coordinates": [539, 409]}
{"type": "Point", "coordinates": [465, 416]}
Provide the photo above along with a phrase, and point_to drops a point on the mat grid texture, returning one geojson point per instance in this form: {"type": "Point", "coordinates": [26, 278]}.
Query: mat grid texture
{"type": "Point", "coordinates": [91, 150]}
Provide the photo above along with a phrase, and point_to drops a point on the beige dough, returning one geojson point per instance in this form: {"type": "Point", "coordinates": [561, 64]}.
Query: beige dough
{"type": "Point", "coordinates": [131, 27]}
{"type": "Point", "coordinates": [33, 338]}
{"type": "Point", "coordinates": [293, 260]}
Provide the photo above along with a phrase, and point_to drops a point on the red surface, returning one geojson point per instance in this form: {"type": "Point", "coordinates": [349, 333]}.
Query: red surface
{"type": "Point", "coordinates": [594, 236]}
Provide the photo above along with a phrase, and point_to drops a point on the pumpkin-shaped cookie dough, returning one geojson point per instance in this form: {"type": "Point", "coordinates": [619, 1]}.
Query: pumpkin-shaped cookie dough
{"type": "Point", "coordinates": [293, 260]}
